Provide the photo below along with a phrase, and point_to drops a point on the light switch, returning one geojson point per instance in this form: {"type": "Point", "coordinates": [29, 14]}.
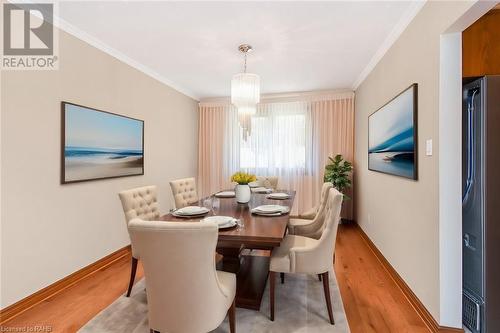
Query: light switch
{"type": "Point", "coordinates": [428, 147]}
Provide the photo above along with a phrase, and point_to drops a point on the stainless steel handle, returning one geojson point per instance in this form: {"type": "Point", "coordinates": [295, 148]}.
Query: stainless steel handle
{"type": "Point", "coordinates": [470, 147]}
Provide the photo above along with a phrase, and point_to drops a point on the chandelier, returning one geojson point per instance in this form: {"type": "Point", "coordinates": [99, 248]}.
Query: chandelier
{"type": "Point", "coordinates": [245, 94]}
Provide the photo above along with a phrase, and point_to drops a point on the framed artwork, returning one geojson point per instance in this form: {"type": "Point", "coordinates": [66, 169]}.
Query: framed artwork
{"type": "Point", "coordinates": [97, 144]}
{"type": "Point", "coordinates": [392, 136]}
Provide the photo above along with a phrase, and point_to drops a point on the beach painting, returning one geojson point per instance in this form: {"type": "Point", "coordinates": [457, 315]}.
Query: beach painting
{"type": "Point", "coordinates": [392, 136]}
{"type": "Point", "coordinates": [98, 144]}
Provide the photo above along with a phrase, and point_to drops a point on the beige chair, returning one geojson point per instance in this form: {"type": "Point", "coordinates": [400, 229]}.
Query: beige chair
{"type": "Point", "coordinates": [184, 291]}
{"type": "Point", "coordinates": [311, 213]}
{"type": "Point", "coordinates": [184, 192]}
{"type": "Point", "coordinates": [298, 254]}
{"type": "Point", "coordinates": [311, 228]}
{"type": "Point", "coordinates": [264, 181]}
{"type": "Point", "coordinates": [139, 202]}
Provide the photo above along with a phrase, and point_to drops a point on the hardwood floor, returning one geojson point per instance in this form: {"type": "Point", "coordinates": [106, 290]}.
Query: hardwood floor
{"type": "Point", "coordinates": [72, 308]}
{"type": "Point", "coordinates": [372, 301]}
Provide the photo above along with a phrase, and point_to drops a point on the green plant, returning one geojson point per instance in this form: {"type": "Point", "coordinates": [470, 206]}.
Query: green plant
{"type": "Point", "coordinates": [337, 171]}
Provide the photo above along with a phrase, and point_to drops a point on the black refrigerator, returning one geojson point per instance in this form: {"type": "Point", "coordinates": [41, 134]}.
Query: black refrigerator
{"type": "Point", "coordinates": [481, 204]}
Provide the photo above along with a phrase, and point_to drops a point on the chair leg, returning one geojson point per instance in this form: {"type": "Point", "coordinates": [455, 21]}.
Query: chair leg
{"type": "Point", "coordinates": [272, 281]}
{"type": "Point", "coordinates": [132, 276]}
{"type": "Point", "coordinates": [282, 276]}
{"type": "Point", "coordinates": [326, 287]}
{"type": "Point", "coordinates": [319, 277]}
{"type": "Point", "coordinates": [232, 318]}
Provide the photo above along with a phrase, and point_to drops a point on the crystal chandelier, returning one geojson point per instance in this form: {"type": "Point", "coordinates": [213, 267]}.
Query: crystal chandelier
{"type": "Point", "coordinates": [245, 94]}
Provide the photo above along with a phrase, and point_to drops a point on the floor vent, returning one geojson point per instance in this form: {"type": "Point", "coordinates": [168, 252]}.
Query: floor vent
{"type": "Point", "coordinates": [471, 313]}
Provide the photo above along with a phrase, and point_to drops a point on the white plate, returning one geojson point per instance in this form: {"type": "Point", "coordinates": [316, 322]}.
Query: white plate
{"type": "Point", "coordinates": [254, 184]}
{"type": "Point", "coordinates": [262, 190]}
{"type": "Point", "coordinates": [222, 221]}
{"type": "Point", "coordinates": [230, 224]}
{"type": "Point", "coordinates": [278, 196]}
{"type": "Point", "coordinates": [283, 212]}
{"type": "Point", "coordinates": [191, 210]}
{"type": "Point", "coordinates": [270, 209]}
{"type": "Point", "coordinates": [225, 194]}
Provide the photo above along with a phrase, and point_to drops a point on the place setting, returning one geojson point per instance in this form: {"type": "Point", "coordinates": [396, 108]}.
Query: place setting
{"type": "Point", "coordinates": [262, 189]}
{"type": "Point", "coordinates": [190, 212]}
{"type": "Point", "coordinates": [278, 196]}
{"type": "Point", "coordinates": [271, 210]}
{"type": "Point", "coordinates": [223, 222]}
{"type": "Point", "coordinates": [225, 194]}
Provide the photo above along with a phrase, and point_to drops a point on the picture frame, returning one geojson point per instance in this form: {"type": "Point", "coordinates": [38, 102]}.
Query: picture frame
{"type": "Point", "coordinates": [393, 136]}
{"type": "Point", "coordinates": [97, 144]}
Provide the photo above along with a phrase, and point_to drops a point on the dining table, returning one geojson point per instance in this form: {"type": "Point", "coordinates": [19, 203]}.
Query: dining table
{"type": "Point", "coordinates": [246, 247]}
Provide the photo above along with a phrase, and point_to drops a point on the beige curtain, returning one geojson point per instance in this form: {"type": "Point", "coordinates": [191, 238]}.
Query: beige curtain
{"type": "Point", "coordinates": [211, 128]}
{"type": "Point", "coordinates": [332, 132]}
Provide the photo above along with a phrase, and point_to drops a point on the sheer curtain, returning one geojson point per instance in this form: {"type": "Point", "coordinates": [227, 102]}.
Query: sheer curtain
{"type": "Point", "coordinates": [280, 145]}
{"type": "Point", "coordinates": [289, 139]}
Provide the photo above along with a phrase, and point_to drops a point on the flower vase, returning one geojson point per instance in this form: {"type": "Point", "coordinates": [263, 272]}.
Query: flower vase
{"type": "Point", "coordinates": [243, 193]}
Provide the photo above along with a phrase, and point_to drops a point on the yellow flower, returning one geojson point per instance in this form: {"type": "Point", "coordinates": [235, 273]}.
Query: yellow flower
{"type": "Point", "coordinates": [243, 178]}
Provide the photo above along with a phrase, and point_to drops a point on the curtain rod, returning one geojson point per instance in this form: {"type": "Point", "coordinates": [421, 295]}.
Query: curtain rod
{"type": "Point", "coordinates": [323, 95]}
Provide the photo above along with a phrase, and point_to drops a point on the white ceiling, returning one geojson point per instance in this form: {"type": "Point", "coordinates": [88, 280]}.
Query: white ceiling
{"type": "Point", "coordinates": [192, 46]}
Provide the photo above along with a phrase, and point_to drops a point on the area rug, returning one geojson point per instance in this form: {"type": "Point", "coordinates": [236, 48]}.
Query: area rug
{"type": "Point", "coordinates": [300, 307]}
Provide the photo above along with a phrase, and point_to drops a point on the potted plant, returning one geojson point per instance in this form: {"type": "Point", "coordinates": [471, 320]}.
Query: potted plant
{"type": "Point", "coordinates": [337, 171]}
{"type": "Point", "coordinates": [242, 190]}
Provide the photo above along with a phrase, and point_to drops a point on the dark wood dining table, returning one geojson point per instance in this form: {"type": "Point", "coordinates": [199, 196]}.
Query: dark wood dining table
{"type": "Point", "coordinates": [238, 243]}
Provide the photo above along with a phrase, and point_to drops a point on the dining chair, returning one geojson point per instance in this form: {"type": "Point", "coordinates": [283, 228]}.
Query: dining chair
{"type": "Point", "coordinates": [311, 228]}
{"type": "Point", "coordinates": [311, 213]}
{"type": "Point", "coordinates": [304, 255]}
{"type": "Point", "coordinates": [265, 181]}
{"type": "Point", "coordinates": [141, 202]}
{"type": "Point", "coordinates": [185, 293]}
{"type": "Point", "coordinates": [184, 192]}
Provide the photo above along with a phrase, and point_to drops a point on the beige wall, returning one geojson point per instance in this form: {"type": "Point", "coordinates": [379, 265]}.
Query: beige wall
{"type": "Point", "coordinates": [402, 216]}
{"type": "Point", "coordinates": [51, 230]}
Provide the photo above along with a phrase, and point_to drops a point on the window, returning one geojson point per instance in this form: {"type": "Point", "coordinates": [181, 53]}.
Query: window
{"type": "Point", "coordinates": [278, 141]}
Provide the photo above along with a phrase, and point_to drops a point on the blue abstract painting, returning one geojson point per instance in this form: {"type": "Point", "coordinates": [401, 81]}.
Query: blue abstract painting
{"type": "Point", "coordinates": [392, 136]}
{"type": "Point", "coordinates": [99, 144]}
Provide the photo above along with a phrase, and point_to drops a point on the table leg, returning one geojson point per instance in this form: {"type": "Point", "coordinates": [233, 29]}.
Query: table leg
{"type": "Point", "coordinates": [251, 276]}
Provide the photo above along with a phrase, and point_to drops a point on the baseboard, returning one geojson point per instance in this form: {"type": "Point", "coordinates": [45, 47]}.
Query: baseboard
{"type": "Point", "coordinates": [426, 316]}
{"type": "Point", "coordinates": [26, 303]}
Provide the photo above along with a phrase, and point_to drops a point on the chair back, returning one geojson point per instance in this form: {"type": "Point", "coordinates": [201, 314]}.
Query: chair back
{"type": "Point", "coordinates": [325, 190]}
{"type": "Point", "coordinates": [140, 202]}
{"type": "Point", "coordinates": [268, 182]}
{"type": "Point", "coordinates": [329, 229]}
{"type": "Point", "coordinates": [183, 291]}
{"type": "Point", "coordinates": [316, 227]}
{"type": "Point", "coordinates": [184, 192]}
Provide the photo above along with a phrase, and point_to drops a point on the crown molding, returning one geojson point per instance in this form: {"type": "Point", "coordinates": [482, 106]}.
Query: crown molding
{"type": "Point", "coordinates": [91, 40]}
{"type": "Point", "coordinates": [389, 41]}
{"type": "Point", "coordinates": [100, 45]}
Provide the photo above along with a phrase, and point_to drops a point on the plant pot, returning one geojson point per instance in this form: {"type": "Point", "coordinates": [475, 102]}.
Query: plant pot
{"type": "Point", "coordinates": [243, 193]}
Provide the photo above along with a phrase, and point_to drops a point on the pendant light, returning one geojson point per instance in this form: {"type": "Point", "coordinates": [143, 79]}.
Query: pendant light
{"type": "Point", "coordinates": [245, 94]}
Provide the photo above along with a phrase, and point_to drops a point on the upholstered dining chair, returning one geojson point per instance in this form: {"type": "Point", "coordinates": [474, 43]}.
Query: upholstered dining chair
{"type": "Point", "coordinates": [184, 192]}
{"type": "Point", "coordinates": [311, 228]}
{"type": "Point", "coordinates": [265, 181]}
{"type": "Point", "coordinates": [304, 255]}
{"type": "Point", "coordinates": [141, 202]}
{"type": "Point", "coordinates": [185, 293]}
{"type": "Point", "coordinates": [311, 213]}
